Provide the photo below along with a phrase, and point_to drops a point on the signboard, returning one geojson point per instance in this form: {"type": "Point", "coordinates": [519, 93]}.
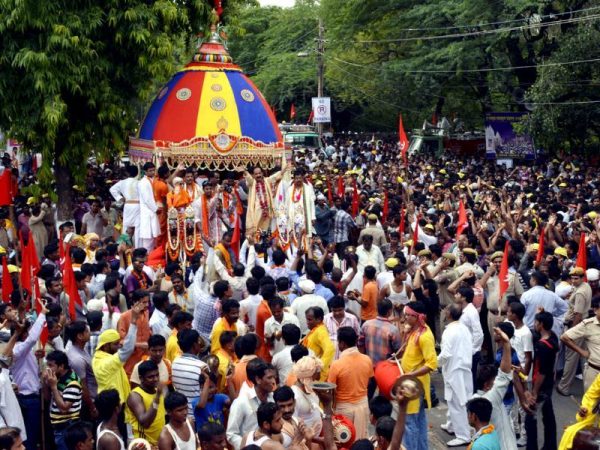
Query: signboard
{"type": "Point", "coordinates": [502, 141]}
{"type": "Point", "coordinates": [321, 109]}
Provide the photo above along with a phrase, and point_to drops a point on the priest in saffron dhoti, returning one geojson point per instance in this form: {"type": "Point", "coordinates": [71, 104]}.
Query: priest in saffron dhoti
{"type": "Point", "coordinates": [182, 236]}
{"type": "Point", "coordinates": [261, 207]}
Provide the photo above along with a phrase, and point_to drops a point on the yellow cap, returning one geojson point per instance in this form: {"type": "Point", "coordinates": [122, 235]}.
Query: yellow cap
{"type": "Point", "coordinates": [31, 201]}
{"type": "Point", "coordinates": [390, 263]}
{"type": "Point", "coordinates": [563, 185]}
{"type": "Point", "coordinates": [443, 171]}
{"type": "Point", "coordinates": [400, 179]}
{"type": "Point", "coordinates": [429, 227]}
{"type": "Point", "coordinates": [534, 247]}
{"type": "Point", "coordinates": [461, 175]}
{"type": "Point", "coordinates": [12, 268]}
{"type": "Point", "coordinates": [561, 251]}
{"type": "Point", "coordinates": [470, 251]}
{"type": "Point", "coordinates": [107, 337]}
{"type": "Point", "coordinates": [424, 252]}
{"type": "Point", "coordinates": [592, 214]}
{"type": "Point", "coordinates": [2, 250]}
{"type": "Point", "coordinates": [577, 271]}
{"type": "Point", "coordinates": [408, 243]}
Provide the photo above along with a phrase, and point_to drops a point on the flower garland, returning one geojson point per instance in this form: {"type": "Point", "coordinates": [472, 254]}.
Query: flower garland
{"type": "Point", "coordinates": [261, 194]}
{"type": "Point", "coordinates": [485, 430]}
{"type": "Point", "coordinates": [174, 245]}
{"type": "Point", "coordinates": [297, 194]}
{"type": "Point", "coordinates": [141, 279]}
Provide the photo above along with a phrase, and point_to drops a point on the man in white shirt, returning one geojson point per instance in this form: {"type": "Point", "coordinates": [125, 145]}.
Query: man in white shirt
{"type": "Point", "coordinates": [369, 255]}
{"type": "Point", "coordinates": [149, 228]}
{"type": "Point", "coordinates": [249, 305]}
{"type": "Point", "coordinates": [274, 325]}
{"type": "Point", "coordinates": [125, 191]}
{"type": "Point", "coordinates": [242, 415]}
{"type": "Point", "coordinates": [492, 384]}
{"type": "Point", "coordinates": [282, 361]}
{"type": "Point", "coordinates": [470, 319]}
{"type": "Point", "coordinates": [306, 301]}
{"type": "Point", "coordinates": [456, 371]}
{"type": "Point", "coordinates": [159, 322]}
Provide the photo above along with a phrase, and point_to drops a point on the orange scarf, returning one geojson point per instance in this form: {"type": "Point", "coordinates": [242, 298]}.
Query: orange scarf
{"type": "Point", "coordinates": [226, 255]}
{"type": "Point", "coordinates": [482, 432]}
{"type": "Point", "coordinates": [205, 228]}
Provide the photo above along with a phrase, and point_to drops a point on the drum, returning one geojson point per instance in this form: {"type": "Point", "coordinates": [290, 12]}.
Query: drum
{"type": "Point", "coordinates": [344, 432]}
{"type": "Point", "coordinates": [386, 374]}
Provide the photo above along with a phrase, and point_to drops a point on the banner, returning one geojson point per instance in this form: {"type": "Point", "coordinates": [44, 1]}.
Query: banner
{"type": "Point", "coordinates": [502, 141]}
{"type": "Point", "coordinates": [321, 109]}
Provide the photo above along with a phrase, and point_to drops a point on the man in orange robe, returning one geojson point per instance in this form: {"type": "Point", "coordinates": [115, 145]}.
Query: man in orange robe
{"type": "Point", "coordinates": [161, 189]}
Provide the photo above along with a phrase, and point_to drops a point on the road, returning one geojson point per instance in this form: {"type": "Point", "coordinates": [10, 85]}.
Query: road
{"type": "Point", "coordinates": [565, 409]}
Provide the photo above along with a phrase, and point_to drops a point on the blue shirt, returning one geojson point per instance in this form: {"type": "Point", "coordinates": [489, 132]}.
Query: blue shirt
{"type": "Point", "coordinates": [323, 292]}
{"type": "Point", "coordinates": [509, 397]}
{"type": "Point", "coordinates": [212, 412]}
{"type": "Point", "coordinates": [487, 442]}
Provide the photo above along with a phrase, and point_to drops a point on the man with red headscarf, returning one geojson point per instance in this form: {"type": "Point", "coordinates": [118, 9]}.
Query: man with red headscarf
{"type": "Point", "coordinates": [419, 359]}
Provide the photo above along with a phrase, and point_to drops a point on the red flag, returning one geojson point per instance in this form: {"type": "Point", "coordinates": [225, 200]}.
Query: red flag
{"type": "Point", "coordinates": [582, 253]}
{"type": "Point", "coordinates": [386, 207]}
{"type": "Point", "coordinates": [540, 252]}
{"type": "Point", "coordinates": [61, 248]}
{"type": "Point", "coordinates": [462, 219]}
{"type": "Point", "coordinates": [7, 285]}
{"type": "Point", "coordinates": [235, 239]}
{"type": "Point", "coordinates": [415, 238]}
{"type": "Point", "coordinates": [329, 193]}
{"type": "Point", "coordinates": [26, 269]}
{"type": "Point", "coordinates": [292, 112]}
{"type": "Point", "coordinates": [33, 256]}
{"type": "Point", "coordinates": [6, 197]}
{"type": "Point", "coordinates": [354, 199]}
{"type": "Point", "coordinates": [70, 285]}
{"type": "Point", "coordinates": [310, 116]}
{"type": "Point", "coordinates": [340, 186]}
{"type": "Point", "coordinates": [404, 142]}
{"type": "Point", "coordinates": [503, 275]}
{"type": "Point", "coordinates": [401, 225]}
{"type": "Point", "coordinates": [434, 119]}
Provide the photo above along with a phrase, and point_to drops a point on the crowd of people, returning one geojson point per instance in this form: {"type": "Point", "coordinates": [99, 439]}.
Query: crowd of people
{"type": "Point", "coordinates": [278, 308]}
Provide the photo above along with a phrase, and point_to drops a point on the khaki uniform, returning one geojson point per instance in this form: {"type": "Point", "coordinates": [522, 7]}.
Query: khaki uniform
{"type": "Point", "coordinates": [580, 302]}
{"type": "Point", "coordinates": [496, 308]}
{"type": "Point", "coordinates": [586, 333]}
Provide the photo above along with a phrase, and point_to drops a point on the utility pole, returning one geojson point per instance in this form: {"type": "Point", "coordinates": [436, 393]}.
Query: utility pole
{"type": "Point", "coordinates": [320, 69]}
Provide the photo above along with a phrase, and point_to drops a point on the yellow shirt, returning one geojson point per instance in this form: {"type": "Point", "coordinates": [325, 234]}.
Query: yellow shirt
{"type": "Point", "coordinates": [172, 350]}
{"type": "Point", "coordinates": [152, 433]}
{"type": "Point", "coordinates": [419, 354]}
{"type": "Point", "coordinates": [589, 401]}
{"type": "Point", "coordinates": [319, 342]}
{"type": "Point", "coordinates": [110, 374]}
{"type": "Point", "coordinates": [224, 362]}
{"type": "Point", "coordinates": [222, 325]}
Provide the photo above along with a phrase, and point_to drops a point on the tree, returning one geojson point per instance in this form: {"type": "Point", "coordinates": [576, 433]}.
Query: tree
{"type": "Point", "coordinates": [71, 73]}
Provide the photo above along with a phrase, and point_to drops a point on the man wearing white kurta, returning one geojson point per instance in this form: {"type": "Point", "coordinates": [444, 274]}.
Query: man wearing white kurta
{"type": "Point", "coordinates": [300, 207]}
{"type": "Point", "coordinates": [149, 226]}
{"type": "Point", "coordinates": [456, 371]}
{"type": "Point", "coordinates": [127, 191]}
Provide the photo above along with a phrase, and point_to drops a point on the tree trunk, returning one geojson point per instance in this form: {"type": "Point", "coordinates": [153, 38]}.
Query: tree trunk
{"type": "Point", "coordinates": [64, 190]}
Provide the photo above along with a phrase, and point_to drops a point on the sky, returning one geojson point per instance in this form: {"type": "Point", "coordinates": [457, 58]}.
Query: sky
{"type": "Point", "coordinates": [282, 3]}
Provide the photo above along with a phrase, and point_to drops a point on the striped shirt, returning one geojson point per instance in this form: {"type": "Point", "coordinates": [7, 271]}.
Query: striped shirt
{"type": "Point", "coordinates": [342, 224]}
{"type": "Point", "coordinates": [69, 387]}
{"type": "Point", "coordinates": [379, 337]}
{"type": "Point", "coordinates": [185, 374]}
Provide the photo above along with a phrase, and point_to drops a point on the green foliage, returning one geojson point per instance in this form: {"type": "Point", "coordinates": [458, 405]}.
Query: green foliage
{"type": "Point", "coordinates": [74, 74]}
{"type": "Point", "coordinates": [385, 57]}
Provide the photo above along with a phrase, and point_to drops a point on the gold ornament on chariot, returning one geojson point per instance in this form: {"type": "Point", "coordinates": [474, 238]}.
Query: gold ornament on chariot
{"type": "Point", "coordinates": [218, 104]}
{"type": "Point", "coordinates": [183, 94]}
{"type": "Point", "coordinates": [247, 95]}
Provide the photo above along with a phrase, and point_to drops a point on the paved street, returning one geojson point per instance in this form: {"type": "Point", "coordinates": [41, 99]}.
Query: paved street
{"type": "Point", "coordinates": [565, 409]}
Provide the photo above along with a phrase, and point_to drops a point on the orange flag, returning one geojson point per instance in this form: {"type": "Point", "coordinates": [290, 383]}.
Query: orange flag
{"type": "Point", "coordinates": [503, 275]}
{"type": "Point", "coordinates": [541, 243]}
{"type": "Point", "coordinates": [403, 141]}
{"type": "Point", "coordinates": [462, 219]}
{"type": "Point", "coordinates": [415, 238]}
{"type": "Point", "coordinates": [7, 284]}
{"type": "Point", "coordinates": [582, 254]}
